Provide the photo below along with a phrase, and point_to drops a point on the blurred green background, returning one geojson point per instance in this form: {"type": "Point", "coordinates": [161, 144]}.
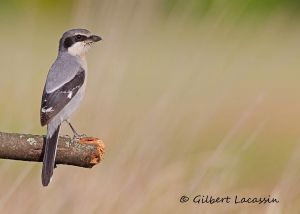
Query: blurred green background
{"type": "Point", "coordinates": [190, 97]}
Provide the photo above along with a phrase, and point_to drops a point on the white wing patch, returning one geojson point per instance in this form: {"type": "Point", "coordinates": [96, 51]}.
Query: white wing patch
{"type": "Point", "coordinates": [47, 110]}
{"type": "Point", "coordinates": [70, 93]}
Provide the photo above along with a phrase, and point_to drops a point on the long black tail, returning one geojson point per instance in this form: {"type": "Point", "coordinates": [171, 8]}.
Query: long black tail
{"type": "Point", "coordinates": [49, 157]}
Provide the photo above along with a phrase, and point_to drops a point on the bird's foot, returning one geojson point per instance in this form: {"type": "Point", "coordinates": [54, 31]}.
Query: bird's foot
{"type": "Point", "coordinates": [67, 136]}
{"type": "Point", "coordinates": [78, 136]}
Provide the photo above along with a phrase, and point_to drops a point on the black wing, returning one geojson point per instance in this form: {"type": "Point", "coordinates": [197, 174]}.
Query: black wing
{"type": "Point", "coordinates": [53, 103]}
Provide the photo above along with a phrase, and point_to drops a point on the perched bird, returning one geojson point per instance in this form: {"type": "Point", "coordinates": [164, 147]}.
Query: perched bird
{"type": "Point", "coordinates": [63, 91]}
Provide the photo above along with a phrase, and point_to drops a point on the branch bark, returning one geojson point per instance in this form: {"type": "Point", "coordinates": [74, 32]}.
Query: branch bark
{"type": "Point", "coordinates": [84, 152]}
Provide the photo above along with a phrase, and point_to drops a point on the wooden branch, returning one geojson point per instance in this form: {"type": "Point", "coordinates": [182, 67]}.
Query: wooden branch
{"type": "Point", "coordinates": [84, 152]}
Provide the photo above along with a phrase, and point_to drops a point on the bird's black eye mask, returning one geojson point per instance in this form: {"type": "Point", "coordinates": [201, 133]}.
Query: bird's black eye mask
{"type": "Point", "coordinates": [69, 41]}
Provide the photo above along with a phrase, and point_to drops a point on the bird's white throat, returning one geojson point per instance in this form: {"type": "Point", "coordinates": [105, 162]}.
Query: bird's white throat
{"type": "Point", "coordinates": [79, 49]}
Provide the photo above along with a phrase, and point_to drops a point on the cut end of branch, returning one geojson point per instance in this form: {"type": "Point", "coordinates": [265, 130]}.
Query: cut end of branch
{"type": "Point", "coordinates": [98, 155]}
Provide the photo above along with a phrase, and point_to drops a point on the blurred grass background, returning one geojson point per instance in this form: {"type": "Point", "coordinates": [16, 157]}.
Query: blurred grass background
{"type": "Point", "coordinates": [190, 97]}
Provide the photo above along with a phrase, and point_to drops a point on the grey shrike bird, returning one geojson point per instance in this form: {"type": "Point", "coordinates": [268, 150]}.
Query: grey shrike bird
{"type": "Point", "coordinates": [63, 91]}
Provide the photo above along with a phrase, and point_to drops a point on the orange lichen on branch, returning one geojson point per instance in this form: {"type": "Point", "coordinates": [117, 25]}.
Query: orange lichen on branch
{"type": "Point", "coordinates": [100, 148]}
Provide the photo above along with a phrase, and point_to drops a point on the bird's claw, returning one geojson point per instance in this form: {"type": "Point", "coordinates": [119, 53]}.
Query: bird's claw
{"type": "Point", "coordinates": [67, 136]}
{"type": "Point", "coordinates": [79, 136]}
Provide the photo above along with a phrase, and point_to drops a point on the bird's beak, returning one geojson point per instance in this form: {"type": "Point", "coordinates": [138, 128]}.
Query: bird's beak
{"type": "Point", "coordinates": [95, 38]}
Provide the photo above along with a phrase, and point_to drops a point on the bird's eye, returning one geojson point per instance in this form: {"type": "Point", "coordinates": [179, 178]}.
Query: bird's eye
{"type": "Point", "coordinates": [78, 37]}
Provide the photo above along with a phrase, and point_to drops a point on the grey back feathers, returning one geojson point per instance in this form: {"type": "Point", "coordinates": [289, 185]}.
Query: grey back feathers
{"type": "Point", "coordinates": [63, 70]}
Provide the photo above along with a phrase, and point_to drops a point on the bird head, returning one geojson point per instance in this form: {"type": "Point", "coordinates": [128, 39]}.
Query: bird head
{"type": "Point", "coordinates": [77, 41]}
